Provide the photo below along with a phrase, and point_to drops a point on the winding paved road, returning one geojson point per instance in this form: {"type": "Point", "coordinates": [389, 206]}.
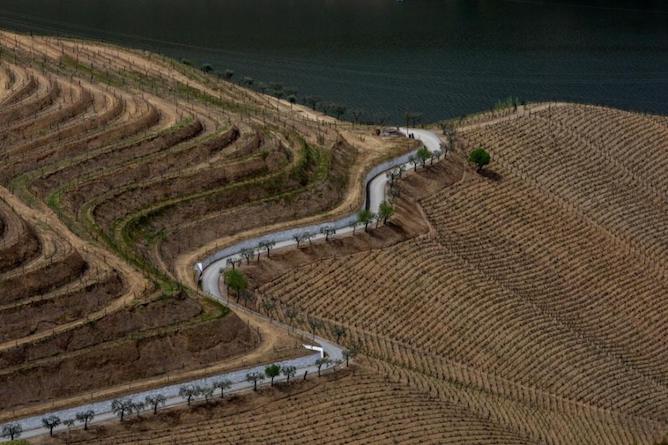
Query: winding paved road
{"type": "Point", "coordinates": [376, 180]}
{"type": "Point", "coordinates": [210, 270]}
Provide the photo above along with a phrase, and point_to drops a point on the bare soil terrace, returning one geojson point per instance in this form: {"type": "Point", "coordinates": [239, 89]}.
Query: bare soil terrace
{"type": "Point", "coordinates": [116, 164]}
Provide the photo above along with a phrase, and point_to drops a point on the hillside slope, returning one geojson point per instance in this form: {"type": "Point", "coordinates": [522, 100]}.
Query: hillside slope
{"type": "Point", "coordinates": [539, 297]}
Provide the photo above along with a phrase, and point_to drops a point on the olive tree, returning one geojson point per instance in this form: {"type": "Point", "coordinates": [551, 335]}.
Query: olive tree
{"type": "Point", "coordinates": [365, 217]}
{"type": "Point", "coordinates": [308, 236]}
{"type": "Point", "coordinates": [85, 417]}
{"type": "Point", "coordinates": [12, 431]}
{"type": "Point", "coordinates": [436, 155]}
{"type": "Point", "coordinates": [324, 361]}
{"type": "Point", "coordinates": [267, 245]}
{"type": "Point", "coordinates": [254, 377]}
{"type": "Point", "coordinates": [400, 170]}
{"type": "Point", "coordinates": [414, 160]}
{"type": "Point", "coordinates": [122, 408]}
{"type": "Point", "coordinates": [423, 154]}
{"type": "Point", "coordinates": [50, 423]}
{"type": "Point", "coordinates": [394, 175]}
{"type": "Point", "coordinates": [480, 157]}
{"type": "Point", "coordinates": [236, 280]}
{"type": "Point", "coordinates": [155, 401]}
{"type": "Point", "coordinates": [272, 371]}
{"type": "Point", "coordinates": [288, 371]}
{"type": "Point", "coordinates": [328, 231]}
{"type": "Point", "coordinates": [385, 211]}
{"type": "Point", "coordinates": [189, 392]}
{"type": "Point", "coordinates": [139, 407]}
{"type": "Point", "coordinates": [222, 385]}
{"type": "Point", "coordinates": [248, 254]}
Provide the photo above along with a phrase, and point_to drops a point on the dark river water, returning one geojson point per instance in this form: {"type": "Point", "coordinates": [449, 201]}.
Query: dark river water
{"type": "Point", "coordinates": [441, 58]}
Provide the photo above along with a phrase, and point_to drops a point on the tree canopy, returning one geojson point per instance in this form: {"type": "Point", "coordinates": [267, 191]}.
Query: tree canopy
{"type": "Point", "coordinates": [155, 401]}
{"type": "Point", "coordinates": [423, 154]}
{"type": "Point", "coordinates": [222, 385]}
{"type": "Point", "coordinates": [254, 377]}
{"type": "Point", "coordinates": [188, 392]}
{"type": "Point", "coordinates": [324, 361]}
{"type": "Point", "coordinates": [122, 407]}
{"type": "Point", "coordinates": [480, 157]}
{"type": "Point", "coordinates": [235, 279]}
{"type": "Point", "coordinates": [289, 371]}
{"type": "Point", "coordinates": [50, 423]}
{"type": "Point", "coordinates": [85, 417]}
{"type": "Point", "coordinates": [385, 211]}
{"type": "Point", "coordinates": [272, 371]}
{"type": "Point", "coordinates": [365, 217]}
{"type": "Point", "coordinates": [12, 431]}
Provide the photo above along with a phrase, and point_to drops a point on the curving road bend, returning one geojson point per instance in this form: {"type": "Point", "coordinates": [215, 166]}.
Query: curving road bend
{"type": "Point", "coordinates": [376, 187]}
{"type": "Point", "coordinates": [209, 272]}
{"type": "Point", "coordinates": [209, 269]}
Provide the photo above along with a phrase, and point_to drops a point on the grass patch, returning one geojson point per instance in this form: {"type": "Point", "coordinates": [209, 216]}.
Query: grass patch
{"type": "Point", "coordinates": [108, 77]}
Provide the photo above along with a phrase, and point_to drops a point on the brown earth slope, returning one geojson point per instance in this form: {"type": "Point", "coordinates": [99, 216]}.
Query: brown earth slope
{"type": "Point", "coordinates": [540, 287]}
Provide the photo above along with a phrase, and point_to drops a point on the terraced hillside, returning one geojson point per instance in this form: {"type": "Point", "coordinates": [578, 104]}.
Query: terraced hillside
{"type": "Point", "coordinates": [358, 408]}
{"type": "Point", "coordinates": [527, 305]}
{"type": "Point", "coordinates": [536, 296]}
{"type": "Point", "coordinates": [119, 167]}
